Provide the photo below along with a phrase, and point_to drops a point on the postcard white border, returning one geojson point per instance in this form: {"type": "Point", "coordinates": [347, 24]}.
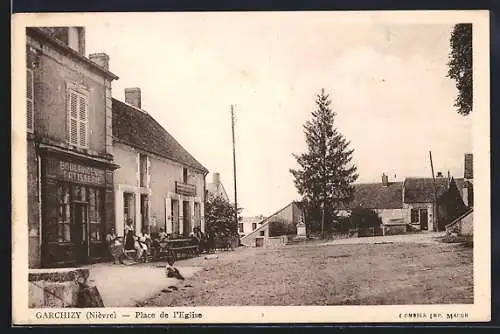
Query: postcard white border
{"type": "Point", "coordinates": [479, 311]}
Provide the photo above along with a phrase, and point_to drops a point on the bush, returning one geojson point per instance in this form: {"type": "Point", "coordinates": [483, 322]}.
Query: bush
{"type": "Point", "coordinates": [365, 219]}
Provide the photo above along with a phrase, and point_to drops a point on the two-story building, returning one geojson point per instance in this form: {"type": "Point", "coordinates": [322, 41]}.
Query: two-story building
{"type": "Point", "coordinates": [159, 183]}
{"type": "Point", "coordinates": [69, 140]}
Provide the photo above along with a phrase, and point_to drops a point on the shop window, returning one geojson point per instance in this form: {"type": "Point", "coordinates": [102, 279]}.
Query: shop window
{"type": "Point", "coordinates": [29, 100]}
{"type": "Point", "coordinates": [78, 118]}
{"type": "Point", "coordinates": [63, 216]}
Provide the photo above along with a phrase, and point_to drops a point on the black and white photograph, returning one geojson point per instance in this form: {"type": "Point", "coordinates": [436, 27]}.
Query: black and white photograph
{"type": "Point", "coordinates": [169, 166]}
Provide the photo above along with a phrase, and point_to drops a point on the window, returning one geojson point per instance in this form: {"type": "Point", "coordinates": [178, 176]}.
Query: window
{"type": "Point", "coordinates": [414, 216]}
{"type": "Point", "coordinates": [262, 233]}
{"type": "Point", "coordinates": [128, 208]}
{"type": "Point", "coordinates": [240, 227]}
{"type": "Point", "coordinates": [254, 226]}
{"type": "Point", "coordinates": [144, 212]}
{"type": "Point", "coordinates": [64, 215]}
{"type": "Point", "coordinates": [78, 119]}
{"type": "Point", "coordinates": [143, 170]}
{"type": "Point", "coordinates": [29, 100]}
{"type": "Point", "coordinates": [184, 175]}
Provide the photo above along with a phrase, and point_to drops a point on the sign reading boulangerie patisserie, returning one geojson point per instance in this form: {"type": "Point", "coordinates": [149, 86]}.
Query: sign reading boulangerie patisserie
{"type": "Point", "coordinates": [75, 172]}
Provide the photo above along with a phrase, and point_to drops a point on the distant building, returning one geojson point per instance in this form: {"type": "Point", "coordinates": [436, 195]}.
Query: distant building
{"type": "Point", "coordinates": [216, 188]}
{"type": "Point", "coordinates": [159, 184]}
{"type": "Point", "coordinates": [287, 219]}
{"type": "Point", "coordinates": [69, 148]}
{"type": "Point", "coordinates": [249, 224]}
{"type": "Point", "coordinates": [409, 205]}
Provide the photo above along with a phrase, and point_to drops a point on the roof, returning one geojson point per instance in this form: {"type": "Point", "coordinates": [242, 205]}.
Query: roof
{"type": "Point", "coordinates": [421, 190]}
{"type": "Point", "coordinates": [138, 129]}
{"type": "Point", "coordinates": [38, 32]}
{"type": "Point", "coordinates": [378, 196]}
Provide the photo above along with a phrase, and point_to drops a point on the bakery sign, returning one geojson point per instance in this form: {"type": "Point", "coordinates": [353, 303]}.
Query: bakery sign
{"type": "Point", "coordinates": [74, 172]}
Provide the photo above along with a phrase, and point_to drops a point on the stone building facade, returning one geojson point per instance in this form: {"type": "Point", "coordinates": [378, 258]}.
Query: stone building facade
{"type": "Point", "coordinates": [69, 142]}
{"type": "Point", "coordinates": [159, 184]}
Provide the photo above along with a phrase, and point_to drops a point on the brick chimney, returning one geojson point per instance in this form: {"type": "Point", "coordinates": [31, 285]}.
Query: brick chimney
{"type": "Point", "coordinates": [385, 180]}
{"type": "Point", "coordinates": [216, 179]}
{"type": "Point", "coordinates": [133, 96]}
{"type": "Point", "coordinates": [468, 166]}
{"type": "Point", "coordinates": [100, 59]}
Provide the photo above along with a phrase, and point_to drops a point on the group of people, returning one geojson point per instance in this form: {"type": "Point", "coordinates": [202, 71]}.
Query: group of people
{"type": "Point", "coordinates": [143, 244]}
{"type": "Point", "coordinates": [138, 243]}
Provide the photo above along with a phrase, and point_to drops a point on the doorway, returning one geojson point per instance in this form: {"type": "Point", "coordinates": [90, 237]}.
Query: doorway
{"type": "Point", "coordinates": [175, 217]}
{"type": "Point", "coordinates": [424, 224]}
{"type": "Point", "coordinates": [186, 221]}
{"type": "Point", "coordinates": [80, 232]}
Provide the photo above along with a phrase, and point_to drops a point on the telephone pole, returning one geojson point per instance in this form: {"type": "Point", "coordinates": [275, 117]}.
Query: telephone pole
{"type": "Point", "coordinates": [435, 207]}
{"type": "Point", "coordinates": [234, 170]}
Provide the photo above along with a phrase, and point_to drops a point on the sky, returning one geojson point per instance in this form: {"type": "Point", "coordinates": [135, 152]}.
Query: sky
{"type": "Point", "coordinates": [388, 86]}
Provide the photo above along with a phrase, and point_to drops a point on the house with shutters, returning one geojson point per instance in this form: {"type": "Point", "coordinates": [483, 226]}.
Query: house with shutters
{"type": "Point", "coordinates": [159, 185]}
{"type": "Point", "coordinates": [69, 148]}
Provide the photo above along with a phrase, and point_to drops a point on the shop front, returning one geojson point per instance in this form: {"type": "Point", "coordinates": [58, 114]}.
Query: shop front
{"type": "Point", "coordinates": [77, 208]}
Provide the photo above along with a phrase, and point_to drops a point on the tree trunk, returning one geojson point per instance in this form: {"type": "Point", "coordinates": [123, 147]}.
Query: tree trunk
{"type": "Point", "coordinates": [323, 221]}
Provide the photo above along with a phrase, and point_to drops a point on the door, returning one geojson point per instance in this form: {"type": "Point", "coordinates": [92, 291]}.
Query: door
{"type": "Point", "coordinates": [80, 232]}
{"type": "Point", "coordinates": [423, 220]}
{"type": "Point", "coordinates": [175, 217]}
{"type": "Point", "coordinates": [186, 217]}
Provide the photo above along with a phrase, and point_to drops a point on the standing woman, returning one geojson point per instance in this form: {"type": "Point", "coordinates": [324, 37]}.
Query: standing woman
{"type": "Point", "coordinates": [129, 236]}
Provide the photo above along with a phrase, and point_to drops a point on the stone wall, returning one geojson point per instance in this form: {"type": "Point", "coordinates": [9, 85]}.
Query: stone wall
{"type": "Point", "coordinates": [55, 287]}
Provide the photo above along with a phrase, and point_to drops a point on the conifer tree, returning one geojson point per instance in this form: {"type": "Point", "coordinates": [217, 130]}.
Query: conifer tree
{"type": "Point", "coordinates": [325, 174]}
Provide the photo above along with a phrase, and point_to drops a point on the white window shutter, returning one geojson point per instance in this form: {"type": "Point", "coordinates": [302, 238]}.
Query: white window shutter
{"type": "Point", "coordinates": [73, 117]}
{"type": "Point", "coordinates": [83, 122]}
{"type": "Point", "coordinates": [29, 100]}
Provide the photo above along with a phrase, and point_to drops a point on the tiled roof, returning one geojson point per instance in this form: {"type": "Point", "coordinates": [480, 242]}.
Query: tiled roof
{"type": "Point", "coordinates": [138, 129]}
{"type": "Point", "coordinates": [421, 190]}
{"type": "Point", "coordinates": [377, 196]}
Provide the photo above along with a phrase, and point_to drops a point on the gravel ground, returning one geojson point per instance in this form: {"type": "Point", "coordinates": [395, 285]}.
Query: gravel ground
{"type": "Point", "coordinates": [319, 274]}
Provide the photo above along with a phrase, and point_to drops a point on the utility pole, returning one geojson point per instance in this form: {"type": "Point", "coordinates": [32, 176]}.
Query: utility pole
{"type": "Point", "coordinates": [234, 170]}
{"type": "Point", "coordinates": [435, 207]}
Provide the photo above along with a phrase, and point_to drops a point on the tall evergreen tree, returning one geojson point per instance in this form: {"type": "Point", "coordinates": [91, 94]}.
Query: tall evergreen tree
{"type": "Point", "coordinates": [460, 66]}
{"type": "Point", "coordinates": [325, 174]}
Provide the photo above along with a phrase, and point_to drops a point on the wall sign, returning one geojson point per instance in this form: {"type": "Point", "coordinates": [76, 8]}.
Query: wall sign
{"type": "Point", "coordinates": [74, 172]}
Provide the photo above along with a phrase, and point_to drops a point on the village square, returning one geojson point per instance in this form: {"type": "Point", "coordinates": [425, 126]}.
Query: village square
{"type": "Point", "coordinates": [122, 214]}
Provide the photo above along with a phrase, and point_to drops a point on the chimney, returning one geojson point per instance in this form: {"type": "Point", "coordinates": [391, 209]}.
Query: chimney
{"type": "Point", "coordinates": [133, 96]}
{"type": "Point", "coordinates": [385, 180]}
{"type": "Point", "coordinates": [100, 59]}
{"type": "Point", "coordinates": [468, 166]}
{"type": "Point", "coordinates": [216, 179]}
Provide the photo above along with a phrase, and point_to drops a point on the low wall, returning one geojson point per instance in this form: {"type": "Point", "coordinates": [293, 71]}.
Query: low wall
{"type": "Point", "coordinates": [276, 241]}
{"type": "Point", "coordinates": [55, 288]}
